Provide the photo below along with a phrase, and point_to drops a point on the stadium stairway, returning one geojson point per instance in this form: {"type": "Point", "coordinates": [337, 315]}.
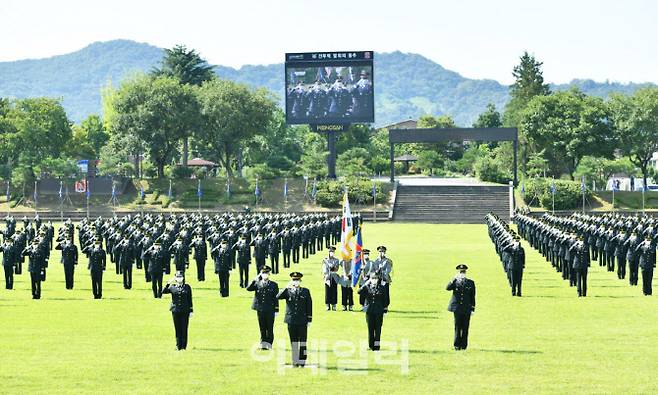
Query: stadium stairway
{"type": "Point", "coordinates": [450, 204]}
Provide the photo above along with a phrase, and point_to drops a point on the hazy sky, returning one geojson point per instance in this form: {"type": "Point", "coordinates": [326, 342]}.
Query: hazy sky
{"type": "Point", "coordinates": [605, 39]}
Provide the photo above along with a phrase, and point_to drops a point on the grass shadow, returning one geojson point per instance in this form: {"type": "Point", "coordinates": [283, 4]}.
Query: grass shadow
{"type": "Point", "coordinates": [511, 351]}
{"type": "Point", "coordinates": [416, 351]}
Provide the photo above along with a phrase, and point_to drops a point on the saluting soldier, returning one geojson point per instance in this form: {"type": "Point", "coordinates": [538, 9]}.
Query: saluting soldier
{"type": "Point", "coordinates": [299, 314]}
{"type": "Point", "coordinates": [260, 250]}
{"type": "Point", "coordinates": [620, 252]}
{"type": "Point", "coordinates": [222, 256]}
{"type": "Point", "coordinates": [647, 261]}
{"type": "Point", "coordinates": [375, 306]}
{"type": "Point", "coordinates": [181, 307]}
{"type": "Point", "coordinates": [124, 256]}
{"type": "Point", "coordinates": [580, 265]}
{"type": "Point", "coordinates": [462, 304]}
{"type": "Point", "coordinates": [200, 255]}
{"type": "Point", "coordinates": [329, 268]}
{"type": "Point", "coordinates": [516, 264]}
{"type": "Point", "coordinates": [155, 256]}
{"type": "Point", "coordinates": [631, 256]}
{"type": "Point", "coordinates": [244, 259]}
{"type": "Point", "coordinates": [266, 305]}
{"type": "Point", "coordinates": [296, 243]}
{"type": "Point", "coordinates": [96, 267]}
{"type": "Point", "coordinates": [35, 267]}
{"type": "Point", "coordinates": [286, 246]}
{"type": "Point", "coordinates": [9, 261]}
{"type": "Point", "coordinates": [274, 249]}
{"type": "Point", "coordinates": [69, 259]}
{"type": "Point", "coordinates": [179, 251]}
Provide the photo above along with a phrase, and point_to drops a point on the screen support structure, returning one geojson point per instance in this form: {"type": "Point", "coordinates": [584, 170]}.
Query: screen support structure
{"type": "Point", "coordinates": [331, 131]}
{"type": "Point", "coordinates": [435, 135]}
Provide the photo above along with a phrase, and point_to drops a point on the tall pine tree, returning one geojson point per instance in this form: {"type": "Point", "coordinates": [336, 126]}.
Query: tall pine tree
{"type": "Point", "coordinates": [188, 67]}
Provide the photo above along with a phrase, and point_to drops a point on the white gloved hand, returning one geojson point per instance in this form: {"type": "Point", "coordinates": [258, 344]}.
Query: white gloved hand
{"type": "Point", "coordinates": [276, 313]}
{"type": "Point", "coordinates": [308, 325]}
{"type": "Point", "coordinates": [191, 314]}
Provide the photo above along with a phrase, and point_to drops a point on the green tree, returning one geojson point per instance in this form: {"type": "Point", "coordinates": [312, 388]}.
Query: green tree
{"type": "Point", "coordinates": [353, 163]}
{"type": "Point", "coordinates": [490, 118]}
{"type": "Point", "coordinates": [600, 170]}
{"type": "Point", "coordinates": [528, 83]}
{"type": "Point", "coordinates": [95, 132]}
{"type": "Point", "coordinates": [189, 68]}
{"type": "Point", "coordinates": [41, 131]}
{"type": "Point", "coordinates": [231, 115]}
{"type": "Point", "coordinates": [279, 146]}
{"type": "Point", "coordinates": [429, 160]}
{"type": "Point", "coordinates": [636, 123]}
{"type": "Point", "coordinates": [158, 111]}
{"type": "Point", "coordinates": [568, 126]}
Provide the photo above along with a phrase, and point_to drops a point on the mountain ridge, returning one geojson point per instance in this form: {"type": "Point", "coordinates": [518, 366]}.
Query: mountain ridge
{"type": "Point", "coordinates": [407, 85]}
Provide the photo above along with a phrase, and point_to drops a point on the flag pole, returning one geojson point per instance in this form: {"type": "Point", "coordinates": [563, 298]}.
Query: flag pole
{"type": "Point", "coordinates": [613, 197]}
{"type": "Point", "coordinates": [36, 197]}
{"type": "Point", "coordinates": [87, 193]}
{"type": "Point", "coordinates": [643, 188]}
{"type": "Point", "coordinates": [583, 190]}
{"type": "Point", "coordinates": [61, 202]}
{"type": "Point", "coordinates": [374, 202]}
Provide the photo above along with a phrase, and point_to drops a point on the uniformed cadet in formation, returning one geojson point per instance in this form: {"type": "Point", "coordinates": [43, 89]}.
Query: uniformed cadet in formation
{"type": "Point", "coordinates": [36, 267]}
{"type": "Point", "coordinates": [154, 258]}
{"type": "Point", "coordinates": [200, 255]}
{"type": "Point", "coordinates": [260, 250]}
{"type": "Point", "coordinates": [462, 305]}
{"type": "Point", "coordinates": [612, 239]}
{"type": "Point", "coordinates": [646, 252]}
{"type": "Point", "coordinates": [9, 261]}
{"type": "Point", "coordinates": [299, 314]}
{"type": "Point", "coordinates": [181, 307]}
{"type": "Point", "coordinates": [367, 268]}
{"type": "Point", "coordinates": [244, 259]}
{"type": "Point", "coordinates": [69, 259]}
{"type": "Point", "coordinates": [330, 266]}
{"type": "Point", "coordinates": [274, 249]}
{"type": "Point", "coordinates": [97, 263]}
{"type": "Point", "coordinates": [509, 249]}
{"type": "Point", "coordinates": [375, 306]}
{"type": "Point", "coordinates": [222, 257]}
{"type": "Point", "coordinates": [124, 257]}
{"type": "Point", "coordinates": [266, 305]}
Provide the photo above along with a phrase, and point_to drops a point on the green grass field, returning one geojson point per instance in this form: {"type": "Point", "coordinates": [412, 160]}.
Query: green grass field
{"type": "Point", "coordinates": [546, 342]}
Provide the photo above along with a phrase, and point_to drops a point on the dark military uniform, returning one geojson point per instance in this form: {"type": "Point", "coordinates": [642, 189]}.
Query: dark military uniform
{"type": "Point", "coordinates": [375, 305]}
{"type": "Point", "coordinates": [462, 304]}
{"type": "Point", "coordinates": [181, 309]}
{"type": "Point", "coordinates": [69, 260]}
{"type": "Point", "coordinates": [632, 257]}
{"type": "Point", "coordinates": [299, 314]}
{"type": "Point", "coordinates": [222, 257]}
{"type": "Point", "coordinates": [9, 261]}
{"type": "Point", "coordinates": [516, 265]}
{"type": "Point", "coordinates": [96, 267]}
{"type": "Point", "coordinates": [155, 256]}
{"type": "Point", "coordinates": [36, 268]}
{"type": "Point", "coordinates": [260, 252]}
{"type": "Point", "coordinates": [286, 247]}
{"type": "Point", "coordinates": [647, 261]}
{"type": "Point", "coordinates": [581, 262]}
{"type": "Point", "coordinates": [124, 256]}
{"type": "Point", "coordinates": [244, 259]}
{"type": "Point", "coordinates": [266, 305]}
{"type": "Point", "coordinates": [200, 256]}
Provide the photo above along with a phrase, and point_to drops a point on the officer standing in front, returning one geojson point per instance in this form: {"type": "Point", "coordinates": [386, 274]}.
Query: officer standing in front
{"type": "Point", "coordinates": [375, 305]}
{"type": "Point", "coordinates": [181, 307]}
{"type": "Point", "coordinates": [299, 314]}
{"type": "Point", "coordinates": [462, 304]}
{"type": "Point", "coordinates": [266, 305]}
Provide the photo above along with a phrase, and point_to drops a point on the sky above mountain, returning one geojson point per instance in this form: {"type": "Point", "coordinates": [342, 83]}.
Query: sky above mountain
{"type": "Point", "coordinates": [597, 39]}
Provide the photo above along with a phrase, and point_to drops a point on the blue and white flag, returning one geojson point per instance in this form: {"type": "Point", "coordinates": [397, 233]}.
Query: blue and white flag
{"type": "Point", "coordinates": [61, 192]}
{"type": "Point", "coordinates": [228, 188]}
{"type": "Point", "coordinates": [8, 192]}
{"type": "Point", "coordinates": [553, 187]}
{"type": "Point", "coordinates": [36, 192]}
{"type": "Point", "coordinates": [199, 192]}
{"type": "Point", "coordinates": [374, 190]}
{"type": "Point", "coordinates": [114, 191]}
{"type": "Point", "coordinates": [285, 188]}
{"type": "Point", "coordinates": [88, 189]}
{"type": "Point", "coordinates": [314, 191]}
{"type": "Point", "coordinates": [169, 193]}
{"type": "Point", "coordinates": [141, 192]}
{"type": "Point", "coordinates": [582, 184]}
{"type": "Point", "coordinates": [523, 187]}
